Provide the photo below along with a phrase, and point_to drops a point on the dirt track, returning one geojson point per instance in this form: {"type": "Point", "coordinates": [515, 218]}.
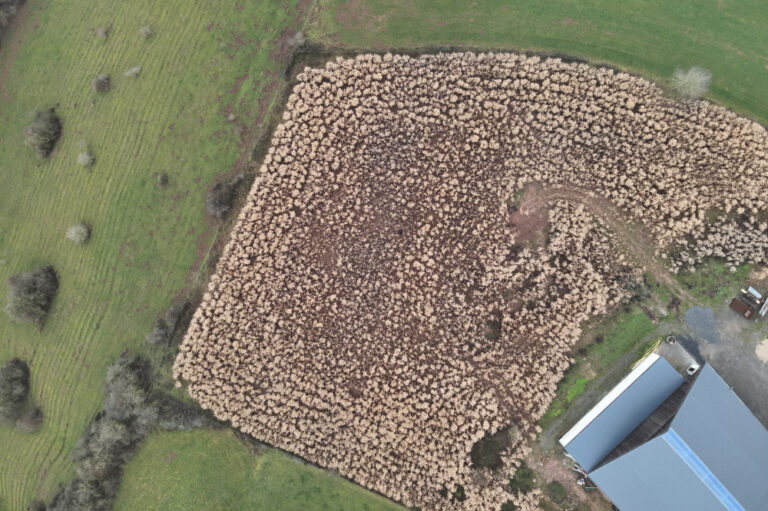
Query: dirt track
{"type": "Point", "coordinates": [639, 245]}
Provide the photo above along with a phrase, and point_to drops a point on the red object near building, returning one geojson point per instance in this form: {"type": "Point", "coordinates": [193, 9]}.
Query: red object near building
{"type": "Point", "coordinates": [742, 308]}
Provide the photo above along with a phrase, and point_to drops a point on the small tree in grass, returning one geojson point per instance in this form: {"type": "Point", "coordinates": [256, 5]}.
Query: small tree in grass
{"type": "Point", "coordinates": [30, 295]}
{"type": "Point", "coordinates": [43, 133]}
{"type": "Point", "coordinates": [79, 233]}
{"type": "Point", "coordinates": [146, 32]}
{"type": "Point", "coordinates": [692, 83]}
{"type": "Point", "coordinates": [14, 389]}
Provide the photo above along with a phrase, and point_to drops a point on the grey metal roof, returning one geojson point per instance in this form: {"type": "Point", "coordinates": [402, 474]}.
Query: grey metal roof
{"type": "Point", "coordinates": [624, 414]}
{"type": "Point", "coordinates": [714, 456]}
{"type": "Point", "coordinates": [654, 478]}
{"type": "Point", "coordinates": [722, 432]}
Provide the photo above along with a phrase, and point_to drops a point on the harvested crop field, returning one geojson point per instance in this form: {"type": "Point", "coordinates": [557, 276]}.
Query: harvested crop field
{"type": "Point", "coordinates": [383, 305]}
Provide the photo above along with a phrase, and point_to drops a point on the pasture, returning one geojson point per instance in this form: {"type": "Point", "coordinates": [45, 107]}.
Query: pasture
{"type": "Point", "coordinates": [728, 37]}
{"type": "Point", "coordinates": [211, 470]}
{"type": "Point", "coordinates": [202, 62]}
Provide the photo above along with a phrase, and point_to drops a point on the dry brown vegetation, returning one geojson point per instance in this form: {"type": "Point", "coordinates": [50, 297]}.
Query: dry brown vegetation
{"type": "Point", "coordinates": [376, 310]}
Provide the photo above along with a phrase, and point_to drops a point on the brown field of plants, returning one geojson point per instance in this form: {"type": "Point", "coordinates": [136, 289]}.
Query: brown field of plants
{"type": "Point", "coordinates": [383, 304]}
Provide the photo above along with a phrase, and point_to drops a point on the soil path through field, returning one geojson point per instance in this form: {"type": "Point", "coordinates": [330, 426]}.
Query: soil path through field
{"type": "Point", "coordinates": [639, 244]}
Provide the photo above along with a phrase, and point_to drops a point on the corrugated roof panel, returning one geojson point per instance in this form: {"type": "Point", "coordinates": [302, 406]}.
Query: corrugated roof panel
{"type": "Point", "coordinates": [654, 477]}
{"type": "Point", "coordinates": [722, 432]}
{"type": "Point", "coordinates": [621, 411]}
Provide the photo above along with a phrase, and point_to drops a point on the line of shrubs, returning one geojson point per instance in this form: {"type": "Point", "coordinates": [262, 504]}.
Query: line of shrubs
{"type": "Point", "coordinates": [130, 410]}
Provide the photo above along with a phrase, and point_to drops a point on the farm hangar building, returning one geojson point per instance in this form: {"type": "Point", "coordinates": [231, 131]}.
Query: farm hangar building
{"type": "Point", "coordinates": [661, 442]}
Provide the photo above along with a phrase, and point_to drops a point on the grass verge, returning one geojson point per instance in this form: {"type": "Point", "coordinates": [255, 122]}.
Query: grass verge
{"type": "Point", "coordinates": [611, 340]}
{"type": "Point", "coordinates": [203, 62]}
{"type": "Point", "coordinates": [211, 470]}
{"type": "Point", "coordinates": [652, 38]}
{"type": "Point", "coordinates": [713, 282]}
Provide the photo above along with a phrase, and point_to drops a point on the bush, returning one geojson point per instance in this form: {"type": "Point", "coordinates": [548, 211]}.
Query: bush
{"type": "Point", "coordinates": [79, 233]}
{"type": "Point", "coordinates": [487, 453]}
{"type": "Point", "coordinates": [459, 495]}
{"type": "Point", "coordinates": [177, 416]}
{"type": "Point", "coordinates": [43, 133]}
{"type": "Point", "coordinates": [126, 388]}
{"type": "Point", "coordinates": [522, 482]}
{"type": "Point", "coordinates": [164, 328]}
{"type": "Point", "coordinates": [14, 388]}
{"type": "Point", "coordinates": [146, 32]}
{"type": "Point", "coordinates": [85, 495]}
{"type": "Point", "coordinates": [693, 83]}
{"type": "Point", "coordinates": [160, 333]}
{"type": "Point", "coordinates": [508, 506]}
{"type": "Point", "coordinates": [36, 505]}
{"type": "Point", "coordinates": [556, 492]}
{"type": "Point", "coordinates": [30, 295]}
{"type": "Point", "coordinates": [85, 159]}
{"type": "Point", "coordinates": [102, 32]}
{"type": "Point", "coordinates": [101, 83]}
{"type": "Point", "coordinates": [219, 200]}
{"type": "Point", "coordinates": [8, 9]}
{"type": "Point", "coordinates": [31, 420]}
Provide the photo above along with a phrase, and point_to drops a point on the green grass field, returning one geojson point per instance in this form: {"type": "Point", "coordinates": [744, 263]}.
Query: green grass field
{"type": "Point", "coordinates": [652, 37]}
{"type": "Point", "coordinates": [204, 59]}
{"type": "Point", "coordinates": [212, 471]}
{"type": "Point", "coordinates": [620, 334]}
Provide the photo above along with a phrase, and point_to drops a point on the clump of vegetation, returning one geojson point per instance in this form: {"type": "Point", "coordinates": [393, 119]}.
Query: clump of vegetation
{"type": "Point", "coordinates": [219, 200]}
{"type": "Point", "coordinates": [79, 233]}
{"type": "Point", "coordinates": [43, 133]}
{"type": "Point", "coordinates": [522, 482]}
{"type": "Point", "coordinates": [508, 506]}
{"type": "Point", "coordinates": [102, 32]}
{"type": "Point", "coordinates": [162, 180]}
{"type": "Point", "coordinates": [556, 492]}
{"type": "Point", "coordinates": [14, 389]}
{"type": "Point", "coordinates": [459, 494]}
{"type": "Point", "coordinates": [85, 159]}
{"type": "Point", "coordinates": [165, 327]}
{"type": "Point", "coordinates": [36, 505]}
{"type": "Point", "coordinates": [8, 9]}
{"type": "Point", "coordinates": [130, 411]}
{"type": "Point", "coordinates": [146, 32]}
{"type": "Point", "coordinates": [692, 83]}
{"type": "Point", "coordinates": [486, 453]}
{"type": "Point", "coordinates": [31, 294]}
{"type": "Point", "coordinates": [133, 72]}
{"type": "Point", "coordinates": [31, 420]}
{"type": "Point", "coordinates": [101, 83]}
